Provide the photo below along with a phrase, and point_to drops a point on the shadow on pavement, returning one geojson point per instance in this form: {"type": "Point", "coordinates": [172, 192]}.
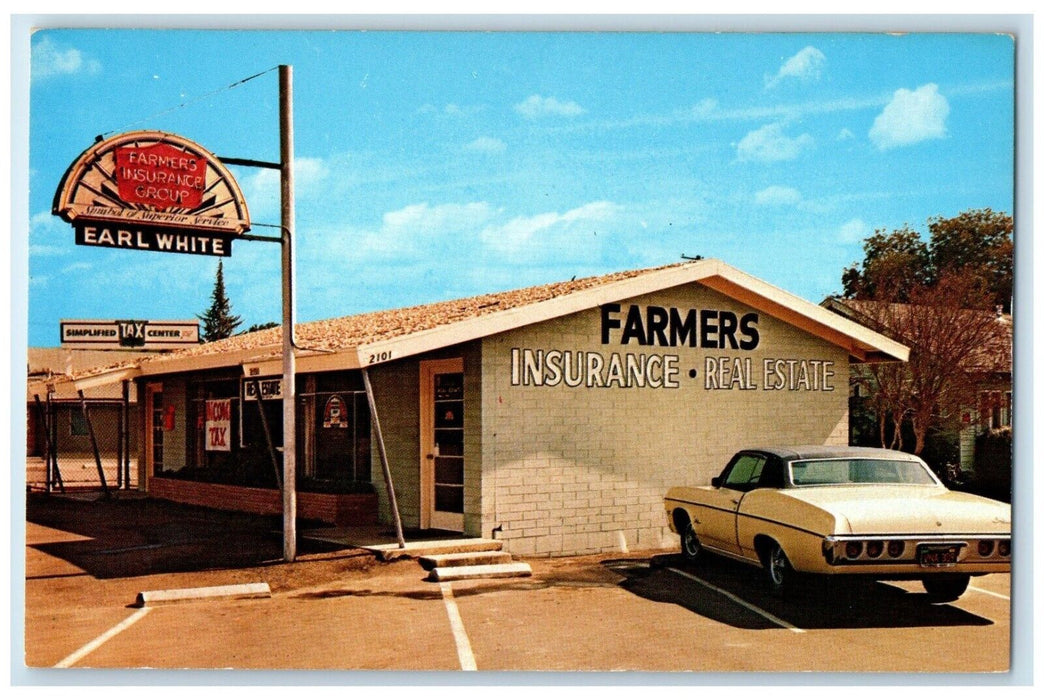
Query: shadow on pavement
{"type": "Point", "coordinates": [814, 604]}
{"type": "Point", "coordinates": [122, 537]}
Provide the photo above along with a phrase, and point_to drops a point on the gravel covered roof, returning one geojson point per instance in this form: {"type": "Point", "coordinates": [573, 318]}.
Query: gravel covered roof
{"type": "Point", "coordinates": [348, 332]}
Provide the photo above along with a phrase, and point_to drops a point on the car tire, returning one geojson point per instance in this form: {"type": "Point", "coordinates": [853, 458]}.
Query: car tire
{"type": "Point", "coordinates": [945, 588]}
{"type": "Point", "coordinates": [778, 571]}
{"type": "Point", "coordinates": [691, 547]}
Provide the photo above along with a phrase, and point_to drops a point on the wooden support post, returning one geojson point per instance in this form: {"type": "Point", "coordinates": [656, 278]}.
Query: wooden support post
{"type": "Point", "coordinates": [94, 442]}
{"type": "Point", "coordinates": [125, 467]}
{"type": "Point", "coordinates": [375, 420]}
{"type": "Point", "coordinates": [55, 474]}
{"type": "Point", "coordinates": [119, 450]}
{"type": "Point", "coordinates": [45, 426]}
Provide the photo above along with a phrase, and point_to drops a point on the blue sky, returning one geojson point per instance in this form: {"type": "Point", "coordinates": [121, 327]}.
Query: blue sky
{"type": "Point", "coordinates": [432, 166]}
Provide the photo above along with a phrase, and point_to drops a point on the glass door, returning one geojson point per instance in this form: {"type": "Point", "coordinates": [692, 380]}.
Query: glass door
{"type": "Point", "coordinates": [442, 444]}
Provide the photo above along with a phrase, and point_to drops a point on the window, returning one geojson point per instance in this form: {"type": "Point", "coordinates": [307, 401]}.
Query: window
{"type": "Point", "coordinates": [843, 472]}
{"type": "Point", "coordinates": [745, 472]}
{"type": "Point", "coordinates": [994, 409]}
{"type": "Point", "coordinates": [77, 423]}
{"type": "Point", "coordinates": [334, 432]}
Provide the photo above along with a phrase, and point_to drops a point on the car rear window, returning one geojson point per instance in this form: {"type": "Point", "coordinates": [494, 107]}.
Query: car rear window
{"type": "Point", "coordinates": [858, 471]}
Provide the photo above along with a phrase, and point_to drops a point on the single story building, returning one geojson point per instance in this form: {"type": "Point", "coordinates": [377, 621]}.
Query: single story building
{"type": "Point", "coordinates": [553, 418]}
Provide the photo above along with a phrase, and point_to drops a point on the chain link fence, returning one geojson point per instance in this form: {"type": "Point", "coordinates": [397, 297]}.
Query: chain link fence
{"type": "Point", "coordinates": [81, 444]}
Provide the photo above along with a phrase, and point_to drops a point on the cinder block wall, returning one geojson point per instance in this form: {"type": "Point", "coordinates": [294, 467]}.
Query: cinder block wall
{"type": "Point", "coordinates": [396, 386]}
{"type": "Point", "coordinates": [584, 470]}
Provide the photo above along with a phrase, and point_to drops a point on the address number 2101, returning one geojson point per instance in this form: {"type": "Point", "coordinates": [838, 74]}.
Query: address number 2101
{"type": "Point", "coordinates": [375, 357]}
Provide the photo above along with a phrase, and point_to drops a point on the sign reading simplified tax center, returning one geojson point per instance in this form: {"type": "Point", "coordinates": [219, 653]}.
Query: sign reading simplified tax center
{"type": "Point", "coordinates": [149, 190]}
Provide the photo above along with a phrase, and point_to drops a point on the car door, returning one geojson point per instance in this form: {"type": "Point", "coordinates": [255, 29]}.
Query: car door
{"type": "Point", "coordinates": [718, 526]}
{"type": "Point", "coordinates": [758, 504]}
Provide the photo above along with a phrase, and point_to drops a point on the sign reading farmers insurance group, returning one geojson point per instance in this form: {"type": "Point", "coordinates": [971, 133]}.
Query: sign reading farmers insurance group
{"type": "Point", "coordinates": [149, 190]}
{"type": "Point", "coordinates": [654, 334]}
{"type": "Point", "coordinates": [129, 334]}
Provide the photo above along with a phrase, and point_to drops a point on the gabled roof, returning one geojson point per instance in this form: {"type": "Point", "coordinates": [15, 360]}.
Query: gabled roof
{"type": "Point", "coordinates": [349, 342]}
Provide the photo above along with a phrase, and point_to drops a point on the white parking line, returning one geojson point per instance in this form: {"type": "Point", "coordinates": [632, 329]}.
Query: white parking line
{"type": "Point", "coordinates": [97, 642]}
{"type": "Point", "coordinates": [749, 606]}
{"type": "Point", "coordinates": [460, 636]}
{"type": "Point", "coordinates": [983, 590]}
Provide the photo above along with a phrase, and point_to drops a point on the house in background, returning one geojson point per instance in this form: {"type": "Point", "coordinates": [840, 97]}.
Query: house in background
{"type": "Point", "coordinates": [989, 368]}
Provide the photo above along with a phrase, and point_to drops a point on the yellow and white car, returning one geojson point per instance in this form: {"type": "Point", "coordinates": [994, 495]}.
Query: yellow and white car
{"type": "Point", "coordinates": [843, 511]}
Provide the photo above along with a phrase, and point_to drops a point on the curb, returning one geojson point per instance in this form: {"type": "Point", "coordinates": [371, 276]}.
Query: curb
{"type": "Point", "coordinates": [244, 590]}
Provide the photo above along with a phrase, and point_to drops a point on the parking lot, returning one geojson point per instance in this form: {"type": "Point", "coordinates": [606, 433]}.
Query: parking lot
{"type": "Point", "coordinates": [341, 609]}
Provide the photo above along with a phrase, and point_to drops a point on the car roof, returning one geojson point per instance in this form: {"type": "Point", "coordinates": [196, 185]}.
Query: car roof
{"type": "Point", "coordinates": [791, 453]}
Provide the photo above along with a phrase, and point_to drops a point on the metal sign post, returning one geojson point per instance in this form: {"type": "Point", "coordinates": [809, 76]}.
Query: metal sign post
{"type": "Point", "coordinates": [104, 195]}
{"type": "Point", "coordinates": [286, 162]}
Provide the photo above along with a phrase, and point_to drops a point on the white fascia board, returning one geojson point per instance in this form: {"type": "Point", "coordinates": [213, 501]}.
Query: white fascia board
{"type": "Point", "coordinates": [216, 360]}
{"type": "Point", "coordinates": [704, 270]}
{"type": "Point", "coordinates": [865, 337]}
{"type": "Point", "coordinates": [70, 386]}
{"type": "Point", "coordinates": [502, 321]}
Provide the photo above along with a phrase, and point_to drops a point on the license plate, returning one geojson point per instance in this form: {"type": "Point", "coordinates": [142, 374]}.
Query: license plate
{"type": "Point", "coordinates": [937, 555]}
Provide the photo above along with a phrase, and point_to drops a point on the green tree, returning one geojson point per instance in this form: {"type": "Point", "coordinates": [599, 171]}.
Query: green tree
{"type": "Point", "coordinates": [218, 320]}
{"type": "Point", "coordinates": [894, 264]}
{"type": "Point", "coordinates": [976, 245]}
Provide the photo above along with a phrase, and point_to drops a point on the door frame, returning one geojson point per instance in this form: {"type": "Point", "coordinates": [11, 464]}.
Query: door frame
{"type": "Point", "coordinates": [429, 517]}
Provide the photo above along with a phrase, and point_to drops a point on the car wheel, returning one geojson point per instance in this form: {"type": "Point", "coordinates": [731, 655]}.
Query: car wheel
{"type": "Point", "coordinates": [780, 574]}
{"type": "Point", "coordinates": [691, 548]}
{"type": "Point", "coordinates": [945, 588]}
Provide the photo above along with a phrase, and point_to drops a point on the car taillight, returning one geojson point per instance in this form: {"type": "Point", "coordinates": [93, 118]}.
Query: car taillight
{"type": "Point", "coordinates": [853, 549]}
{"type": "Point", "coordinates": [895, 549]}
{"type": "Point", "coordinates": [874, 549]}
{"type": "Point", "coordinates": [1004, 548]}
{"type": "Point", "coordinates": [985, 548]}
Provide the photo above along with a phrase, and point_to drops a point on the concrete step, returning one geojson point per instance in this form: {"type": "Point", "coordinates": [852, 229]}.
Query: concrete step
{"type": "Point", "coordinates": [460, 573]}
{"type": "Point", "coordinates": [432, 561]}
{"type": "Point", "coordinates": [387, 552]}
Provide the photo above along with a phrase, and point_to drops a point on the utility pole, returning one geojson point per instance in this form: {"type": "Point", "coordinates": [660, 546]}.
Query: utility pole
{"type": "Point", "coordinates": [286, 163]}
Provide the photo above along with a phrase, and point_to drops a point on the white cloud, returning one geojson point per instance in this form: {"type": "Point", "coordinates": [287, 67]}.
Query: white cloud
{"type": "Point", "coordinates": [777, 195]}
{"type": "Point", "coordinates": [49, 59]}
{"type": "Point", "coordinates": [705, 108]}
{"type": "Point", "coordinates": [769, 144]}
{"type": "Point", "coordinates": [911, 117]}
{"type": "Point", "coordinates": [549, 231]}
{"type": "Point", "coordinates": [419, 219]}
{"type": "Point", "coordinates": [845, 135]}
{"type": "Point", "coordinates": [853, 231]}
{"type": "Point", "coordinates": [486, 144]}
{"type": "Point", "coordinates": [806, 65]}
{"type": "Point", "coordinates": [262, 190]}
{"type": "Point", "coordinates": [536, 106]}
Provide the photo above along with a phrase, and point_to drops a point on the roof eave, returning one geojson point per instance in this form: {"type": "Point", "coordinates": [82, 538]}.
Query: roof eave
{"type": "Point", "coordinates": [73, 385]}
{"type": "Point", "coordinates": [862, 344]}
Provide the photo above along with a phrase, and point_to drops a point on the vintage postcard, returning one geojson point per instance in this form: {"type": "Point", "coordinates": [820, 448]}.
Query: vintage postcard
{"type": "Point", "coordinates": [641, 351]}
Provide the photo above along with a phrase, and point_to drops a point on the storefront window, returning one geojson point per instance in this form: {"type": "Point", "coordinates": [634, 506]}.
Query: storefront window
{"type": "Point", "coordinates": [337, 433]}
{"type": "Point", "coordinates": [226, 439]}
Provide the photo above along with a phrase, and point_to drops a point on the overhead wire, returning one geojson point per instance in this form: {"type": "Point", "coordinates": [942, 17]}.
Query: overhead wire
{"type": "Point", "coordinates": [187, 103]}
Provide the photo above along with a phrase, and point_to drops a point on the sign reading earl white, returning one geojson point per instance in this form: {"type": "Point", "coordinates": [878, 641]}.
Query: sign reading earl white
{"type": "Point", "coordinates": [149, 190]}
